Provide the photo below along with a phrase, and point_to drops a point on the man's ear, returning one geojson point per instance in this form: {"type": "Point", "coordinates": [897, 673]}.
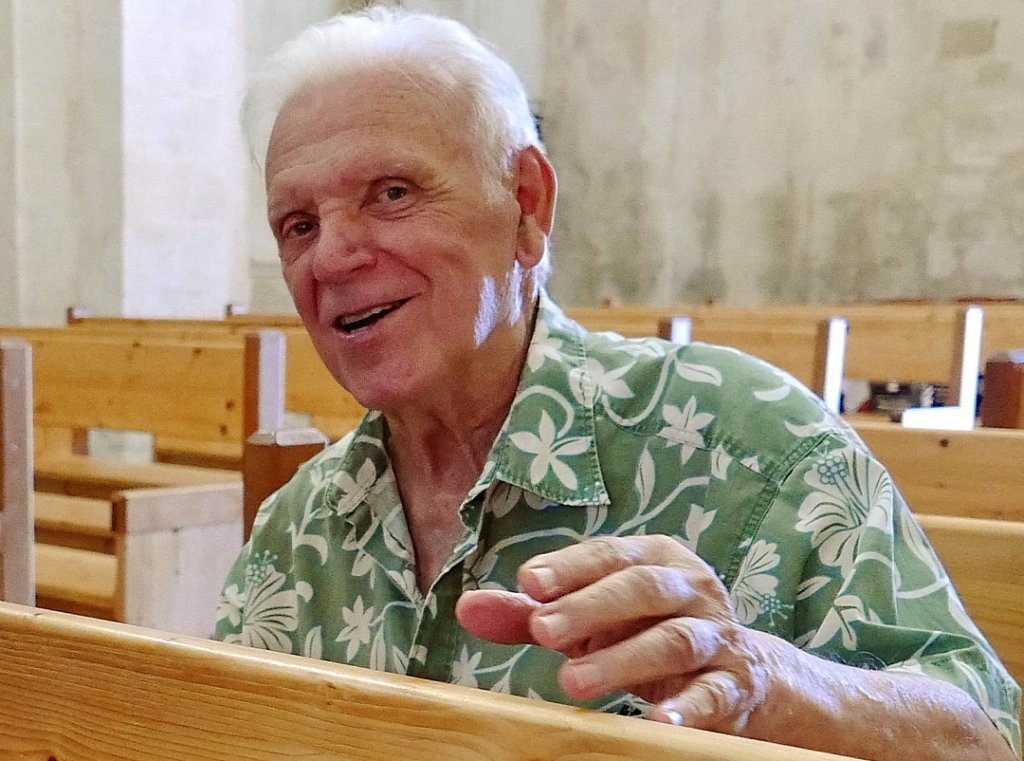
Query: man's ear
{"type": "Point", "coordinates": [535, 190]}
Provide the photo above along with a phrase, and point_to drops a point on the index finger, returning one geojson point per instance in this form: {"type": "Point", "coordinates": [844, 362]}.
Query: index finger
{"type": "Point", "coordinates": [555, 574]}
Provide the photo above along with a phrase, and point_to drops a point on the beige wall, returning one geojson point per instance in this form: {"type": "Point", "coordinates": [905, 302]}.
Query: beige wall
{"type": "Point", "coordinates": [730, 150]}
{"type": "Point", "coordinates": [795, 150]}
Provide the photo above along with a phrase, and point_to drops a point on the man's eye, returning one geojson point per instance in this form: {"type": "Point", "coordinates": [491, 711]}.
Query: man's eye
{"type": "Point", "coordinates": [298, 229]}
{"type": "Point", "coordinates": [395, 192]}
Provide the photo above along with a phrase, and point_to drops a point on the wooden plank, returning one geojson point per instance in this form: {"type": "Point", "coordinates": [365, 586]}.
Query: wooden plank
{"type": "Point", "coordinates": [271, 459]}
{"type": "Point", "coordinates": [973, 474]}
{"type": "Point", "coordinates": [66, 682]}
{"type": "Point", "coordinates": [81, 522]}
{"type": "Point", "coordinates": [143, 511]}
{"type": "Point", "coordinates": [16, 509]}
{"type": "Point", "coordinates": [98, 478]}
{"type": "Point", "coordinates": [171, 580]}
{"type": "Point", "coordinates": [76, 581]}
{"type": "Point", "coordinates": [631, 321]}
{"type": "Point", "coordinates": [309, 387]}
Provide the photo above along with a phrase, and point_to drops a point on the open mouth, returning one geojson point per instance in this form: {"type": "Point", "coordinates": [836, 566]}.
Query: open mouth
{"type": "Point", "coordinates": [350, 323]}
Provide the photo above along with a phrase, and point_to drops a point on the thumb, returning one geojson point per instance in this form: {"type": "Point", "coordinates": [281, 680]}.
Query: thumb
{"type": "Point", "coordinates": [497, 615]}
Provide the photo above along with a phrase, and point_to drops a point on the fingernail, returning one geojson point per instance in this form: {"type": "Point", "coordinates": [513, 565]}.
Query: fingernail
{"type": "Point", "coordinates": [549, 628]}
{"type": "Point", "coordinates": [544, 579]}
{"type": "Point", "coordinates": [674, 717]}
{"type": "Point", "coordinates": [584, 678]}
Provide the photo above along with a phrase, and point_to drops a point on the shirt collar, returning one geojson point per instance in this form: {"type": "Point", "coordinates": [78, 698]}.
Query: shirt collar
{"type": "Point", "coordinates": [547, 444]}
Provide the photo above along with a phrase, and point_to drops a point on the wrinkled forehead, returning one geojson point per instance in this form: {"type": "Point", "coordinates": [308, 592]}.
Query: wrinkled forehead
{"type": "Point", "coordinates": [381, 100]}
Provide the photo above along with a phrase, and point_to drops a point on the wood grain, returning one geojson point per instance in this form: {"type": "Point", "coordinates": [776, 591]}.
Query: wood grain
{"type": "Point", "coordinates": [66, 682]}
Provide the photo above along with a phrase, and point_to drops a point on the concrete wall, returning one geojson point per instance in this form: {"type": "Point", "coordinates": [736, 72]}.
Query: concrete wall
{"type": "Point", "coordinates": [727, 150]}
{"type": "Point", "coordinates": [799, 150]}
{"type": "Point", "coordinates": [127, 177]}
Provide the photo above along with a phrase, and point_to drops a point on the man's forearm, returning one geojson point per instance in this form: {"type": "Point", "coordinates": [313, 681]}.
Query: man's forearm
{"type": "Point", "coordinates": [868, 714]}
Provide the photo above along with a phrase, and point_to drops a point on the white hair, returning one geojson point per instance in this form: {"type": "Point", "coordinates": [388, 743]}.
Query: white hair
{"type": "Point", "coordinates": [441, 51]}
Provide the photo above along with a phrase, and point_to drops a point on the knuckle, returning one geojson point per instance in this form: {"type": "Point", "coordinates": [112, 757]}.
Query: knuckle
{"type": "Point", "coordinates": [609, 551]}
{"type": "Point", "coordinates": [682, 642]}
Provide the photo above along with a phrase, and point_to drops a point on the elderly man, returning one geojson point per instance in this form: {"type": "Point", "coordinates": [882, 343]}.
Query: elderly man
{"type": "Point", "coordinates": [679, 532]}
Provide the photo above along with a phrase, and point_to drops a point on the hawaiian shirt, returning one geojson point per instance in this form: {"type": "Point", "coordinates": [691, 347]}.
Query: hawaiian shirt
{"type": "Point", "coordinates": [612, 436]}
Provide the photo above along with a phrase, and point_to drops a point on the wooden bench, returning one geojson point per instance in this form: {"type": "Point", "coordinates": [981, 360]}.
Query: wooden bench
{"type": "Point", "coordinates": [66, 682]}
{"type": "Point", "coordinates": [809, 348]}
{"type": "Point", "coordinates": [109, 544]}
{"type": "Point", "coordinates": [971, 474]}
{"type": "Point", "coordinates": [630, 320]}
{"type": "Point", "coordinates": [17, 577]}
{"type": "Point", "coordinates": [311, 393]}
{"type": "Point", "coordinates": [213, 390]}
{"type": "Point", "coordinates": [154, 557]}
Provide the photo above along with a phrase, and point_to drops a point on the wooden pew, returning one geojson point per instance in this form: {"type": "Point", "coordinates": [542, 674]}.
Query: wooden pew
{"type": "Point", "coordinates": [310, 390]}
{"type": "Point", "coordinates": [154, 557]}
{"type": "Point", "coordinates": [630, 320]}
{"type": "Point", "coordinates": [66, 682]}
{"type": "Point", "coordinates": [109, 544]}
{"type": "Point", "coordinates": [213, 390]}
{"type": "Point", "coordinates": [17, 574]}
{"type": "Point", "coordinates": [971, 474]}
{"type": "Point", "coordinates": [811, 349]}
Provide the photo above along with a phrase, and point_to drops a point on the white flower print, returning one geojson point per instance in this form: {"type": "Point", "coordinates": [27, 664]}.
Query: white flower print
{"type": "Point", "coordinates": [696, 523]}
{"type": "Point", "coordinates": [754, 584]}
{"type": "Point", "coordinates": [684, 427]}
{"type": "Point", "coordinates": [610, 381]}
{"type": "Point", "coordinates": [270, 612]}
{"type": "Point", "coordinates": [357, 627]}
{"type": "Point", "coordinates": [699, 373]}
{"type": "Point", "coordinates": [353, 490]}
{"type": "Point", "coordinates": [230, 605]}
{"type": "Point", "coordinates": [547, 451]}
{"type": "Point", "coordinates": [841, 619]}
{"type": "Point", "coordinates": [464, 669]}
{"type": "Point", "coordinates": [543, 347]}
{"type": "Point", "coordinates": [504, 496]}
{"type": "Point", "coordinates": [313, 646]}
{"type": "Point", "coordinates": [851, 492]}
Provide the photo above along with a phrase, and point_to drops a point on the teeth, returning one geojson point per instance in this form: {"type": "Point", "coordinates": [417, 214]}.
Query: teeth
{"type": "Point", "coordinates": [354, 318]}
{"type": "Point", "coordinates": [353, 322]}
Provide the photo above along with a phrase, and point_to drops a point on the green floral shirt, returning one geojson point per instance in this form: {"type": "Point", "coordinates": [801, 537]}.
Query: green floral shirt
{"type": "Point", "coordinates": [609, 436]}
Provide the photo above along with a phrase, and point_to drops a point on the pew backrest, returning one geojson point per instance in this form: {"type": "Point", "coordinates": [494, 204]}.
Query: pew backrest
{"type": "Point", "coordinates": [309, 387]}
{"type": "Point", "coordinates": [17, 574]}
{"type": "Point", "coordinates": [809, 348]}
{"type": "Point", "coordinates": [66, 680]}
{"type": "Point", "coordinates": [205, 389]}
{"type": "Point", "coordinates": [971, 474]}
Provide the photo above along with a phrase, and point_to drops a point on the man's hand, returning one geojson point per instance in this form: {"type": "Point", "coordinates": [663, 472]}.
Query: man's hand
{"type": "Point", "coordinates": [639, 614]}
{"type": "Point", "coordinates": [646, 615]}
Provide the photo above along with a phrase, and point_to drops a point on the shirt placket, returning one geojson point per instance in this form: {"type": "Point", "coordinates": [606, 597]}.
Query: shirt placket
{"type": "Point", "coordinates": [436, 633]}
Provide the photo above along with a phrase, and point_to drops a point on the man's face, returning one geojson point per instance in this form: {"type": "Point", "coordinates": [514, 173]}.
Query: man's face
{"type": "Point", "coordinates": [396, 248]}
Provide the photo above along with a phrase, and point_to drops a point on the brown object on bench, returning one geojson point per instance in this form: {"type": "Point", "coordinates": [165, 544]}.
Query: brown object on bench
{"type": "Point", "coordinates": [1002, 399]}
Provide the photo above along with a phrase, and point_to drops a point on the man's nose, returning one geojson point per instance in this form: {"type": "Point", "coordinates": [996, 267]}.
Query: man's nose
{"type": "Point", "coordinates": [344, 244]}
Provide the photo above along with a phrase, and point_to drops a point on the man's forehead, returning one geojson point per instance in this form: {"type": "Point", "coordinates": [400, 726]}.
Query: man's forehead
{"type": "Point", "coordinates": [362, 106]}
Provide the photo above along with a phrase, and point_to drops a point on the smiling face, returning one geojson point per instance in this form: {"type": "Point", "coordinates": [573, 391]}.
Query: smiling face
{"type": "Point", "coordinates": [400, 254]}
